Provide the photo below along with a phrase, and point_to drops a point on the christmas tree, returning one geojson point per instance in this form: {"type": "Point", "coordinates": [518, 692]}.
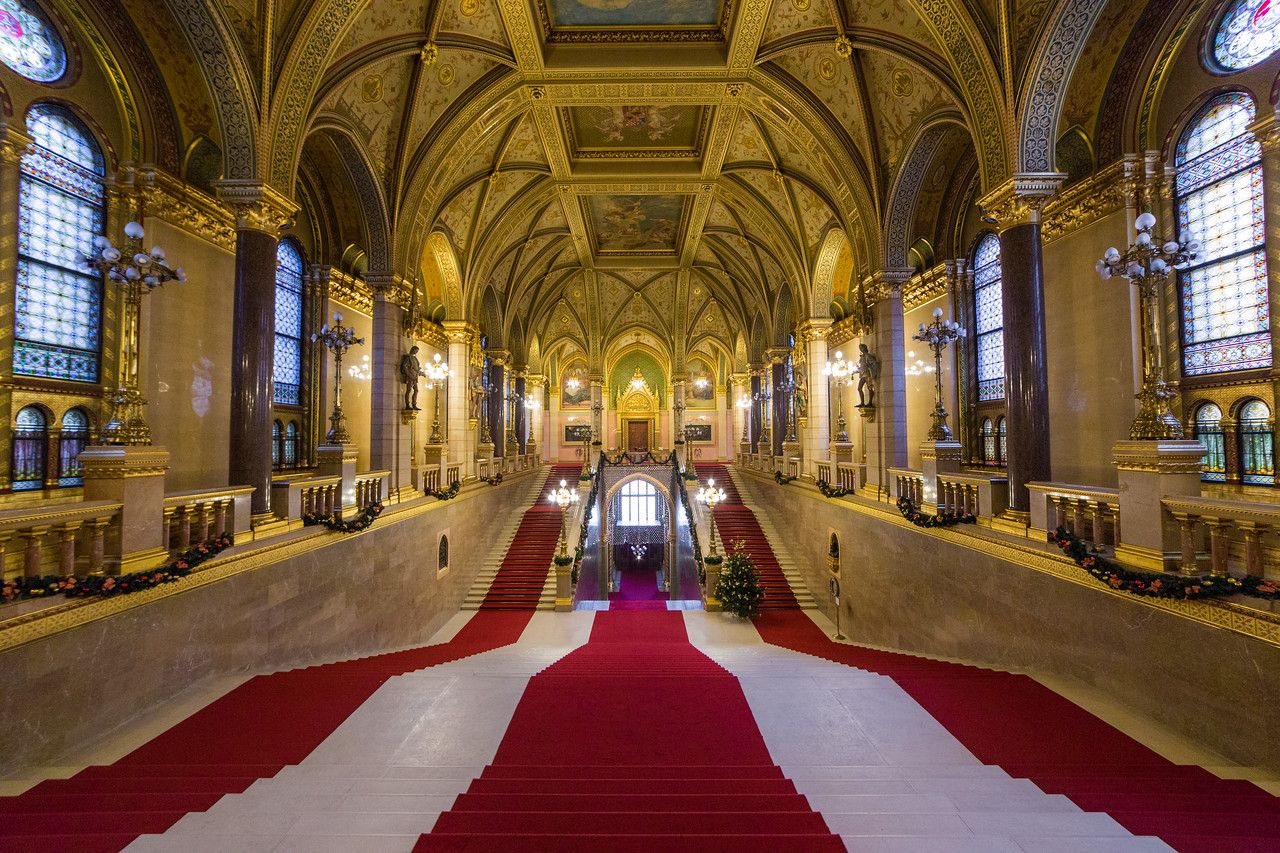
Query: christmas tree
{"type": "Point", "coordinates": [739, 590]}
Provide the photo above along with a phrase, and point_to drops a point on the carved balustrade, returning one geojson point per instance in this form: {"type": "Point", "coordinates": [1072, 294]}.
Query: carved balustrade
{"type": "Point", "coordinates": [906, 483]}
{"type": "Point", "coordinates": [1091, 513]}
{"type": "Point", "coordinates": [195, 516]}
{"type": "Point", "coordinates": [981, 495]}
{"type": "Point", "coordinates": [851, 476]}
{"type": "Point", "coordinates": [372, 488]}
{"type": "Point", "coordinates": [71, 539]}
{"type": "Point", "coordinates": [292, 499]}
{"type": "Point", "coordinates": [1220, 535]}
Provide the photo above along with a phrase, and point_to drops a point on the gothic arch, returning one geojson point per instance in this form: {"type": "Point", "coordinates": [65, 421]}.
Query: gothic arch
{"type": "Point", "coordinates": [900, 213]}
{"type": "Point", "coordinates": [369, 195]}
{"type": "Point", "coordinates": [824, 270]}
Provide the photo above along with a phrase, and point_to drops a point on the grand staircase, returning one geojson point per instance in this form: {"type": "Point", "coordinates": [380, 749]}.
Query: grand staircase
{"type": "Point", "coordinates": [735, 522]}
{"type": "Point", "coordinates": [517, 575]}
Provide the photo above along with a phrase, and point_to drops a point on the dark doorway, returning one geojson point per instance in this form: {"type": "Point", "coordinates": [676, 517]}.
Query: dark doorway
{"type": "Point", "coordinates": [637, 436]}
{"type": "Point", "coordinates": [639, 572]}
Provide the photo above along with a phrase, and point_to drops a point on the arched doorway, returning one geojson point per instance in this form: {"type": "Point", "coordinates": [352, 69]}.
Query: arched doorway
{"type": "Point", "coordinates": [639, 540]}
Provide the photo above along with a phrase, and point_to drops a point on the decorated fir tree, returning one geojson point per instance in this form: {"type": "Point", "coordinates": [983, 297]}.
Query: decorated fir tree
{"type": "Point", "coordinates": [739, 590]}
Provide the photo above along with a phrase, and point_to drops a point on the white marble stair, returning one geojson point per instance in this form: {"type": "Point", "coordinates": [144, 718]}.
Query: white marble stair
{"type": "Point", "coordinates": [501, 543]}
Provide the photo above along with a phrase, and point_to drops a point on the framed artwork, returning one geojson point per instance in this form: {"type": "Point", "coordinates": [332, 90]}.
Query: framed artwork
{"type": "Point", "coordinates": [700, 392]}
{"type": "Point", "coordinates": [577, 433]}
{"type": "Point", "coordinates": [697, 432]}
{"type": "Point", "coordinates": [575, 388]}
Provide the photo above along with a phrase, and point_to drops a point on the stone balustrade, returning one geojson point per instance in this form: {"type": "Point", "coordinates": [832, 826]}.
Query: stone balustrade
{"type": "Point", "coordinates": [906, 483]}
{"type": "Point", "coordinates": [292, 499]}
{"type": "Point", "coordinates": [194, 516]}
{"type": "Point", "coordinates": [1091, 513]}
{"type": "Point", "coordinates": [453, 474]}
{"type": "Point", "coordinates": [1219, 535]}
{"type": "Point", "coordinates": [372, 488]}
{"type": "Point", "coordinates": [981, 495]}
{"type": "Point", "coordinates": [78, 538]}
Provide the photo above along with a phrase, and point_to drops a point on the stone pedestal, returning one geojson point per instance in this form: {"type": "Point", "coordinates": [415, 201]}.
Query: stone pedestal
{"type": "Point", "coordinates": [1150, 470]}
{"type": "Point", "coordinates": [339, 460]}
{"type": "Point", "coordinates": [564, 588]}
{"type": "Point", "coordinates": [133, 477]}
{"type": "Point", "coordinates": [713, 580]}
{"type": "Point", "coordinates": [744, 449]}
{"type": "Point", "coordinates": [484, 452]}
{"type": "Point", "coordinates": [937, 457]}
{"type": "Point", "coordinates": [435, 457]}
{"type": "Point", "coordinates": [791, 450]}
{"type": "Point", "coordinates": [841, 451]}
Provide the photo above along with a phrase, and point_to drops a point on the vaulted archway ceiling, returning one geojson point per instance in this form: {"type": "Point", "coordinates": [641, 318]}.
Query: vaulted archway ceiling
{"type": "Point", "coordinates": [604, 165]}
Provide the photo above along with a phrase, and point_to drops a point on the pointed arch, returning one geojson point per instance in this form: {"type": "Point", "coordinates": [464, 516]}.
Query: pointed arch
{"type": "Point", "coordinates": [834, 242]}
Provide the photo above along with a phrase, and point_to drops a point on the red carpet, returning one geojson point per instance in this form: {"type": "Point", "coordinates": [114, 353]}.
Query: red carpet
{"type": "Point", "coordinates": [636, 741]}
{"type": "Point", "coordinates": [251, 733]}
{"type": "Point", "coordinates": [638, 590]}
{"type": "Point", "coordinates": [736, 523]}
{"type": "Point", "coordinates": [523, 573]}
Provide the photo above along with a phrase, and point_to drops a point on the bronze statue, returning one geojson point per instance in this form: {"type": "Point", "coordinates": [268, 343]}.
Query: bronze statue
{"type": "Point", "coordinates": [410, 370]}
{"type": "Point", "coordinates": [868, 376]}
{"type": "Point", "coordinates": [476, 389]}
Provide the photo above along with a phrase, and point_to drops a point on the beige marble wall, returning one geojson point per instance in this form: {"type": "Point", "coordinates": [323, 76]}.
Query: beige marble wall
{"type": "Point", "coordinates": [358, 595]}
{"type": "Point", "coordinates": [357, 392]}
{"type": "Point", "coordinates": [1090, 355]}
{"type": "Point", "coordinates": [909, 589]}
{"type": "Point", "coordinates": [920, 387]}
{"type": "Point", "coordinates": [186, 359]}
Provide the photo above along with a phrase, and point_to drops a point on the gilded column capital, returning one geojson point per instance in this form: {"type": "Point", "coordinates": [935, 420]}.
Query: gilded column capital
{"type": "Point", "coordinates": [168, 198]}
{"type": "Point", "coordinates": [885, 284]}
{"type": "Point", "coordinates": [813, 329]}
{"type": "Point", "coordinates": [776, 355]}
{"type": "Point", "coordinates": [740, 379]}
{"type": "Point", "coordinates": [460, 331]}
{"type": "Point", "coordinates": [13, 144]}
{"type": "Point", "coordinates": [499, 356]}
{"type": "Point", "coordinates": [1019, 200]}
{"type": "Point", "coordinates": [256, 206]}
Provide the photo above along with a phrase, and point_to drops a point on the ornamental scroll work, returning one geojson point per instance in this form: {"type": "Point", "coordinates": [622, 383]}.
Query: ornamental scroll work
{"type": "Point", "coordinates": [1020, 200]}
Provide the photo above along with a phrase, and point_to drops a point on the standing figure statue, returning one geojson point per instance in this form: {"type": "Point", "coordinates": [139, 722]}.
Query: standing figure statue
{"type": "Point", "coordinates": [410, 370]}
{"type": "Point", "coordinates": [801, 398]}
{"type": "Point", "coordinates": [868, 376]}
{"type": "Point", "coordinates": [476, 388]}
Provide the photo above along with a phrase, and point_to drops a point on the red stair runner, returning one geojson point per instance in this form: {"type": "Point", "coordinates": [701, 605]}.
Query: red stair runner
{"type": "Point", "coordinates": [635, 742]}
{"type": "Point", "coordinates": [737, 523]}
{"type": "Point", "coordinates": [523, 574]}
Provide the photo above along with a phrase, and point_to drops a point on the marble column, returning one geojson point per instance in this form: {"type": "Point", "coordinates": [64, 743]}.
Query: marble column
{"type": "Point", "coordinates": [12, 146]}
{"type": "Point", "coordinates": [519, 414]}
{"type": "Point", "coordinates": [756, 420]}
{"type": "Point", "coordinates": [390, 435]}
{"type": "Point", "coordinates": [1015, 205]}
{"type": "Point", "coordinates": [497, 401]}
{"type": "Point", "coordinates": [816, 438]}
{"type": "Point", "coordinates": [886, 445]}
{"type": "Point", "coordinates": [459, 432]}
{"type": "Point", "coordinates": [555, 432]}
{"type": "Point", "coordinates": [780, 400]}
{"type": "Point", "coordinates": [260, 213]}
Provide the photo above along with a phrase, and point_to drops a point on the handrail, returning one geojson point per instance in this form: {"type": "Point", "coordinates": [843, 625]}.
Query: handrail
{"type": "Point", "coordinates": [53, 536]}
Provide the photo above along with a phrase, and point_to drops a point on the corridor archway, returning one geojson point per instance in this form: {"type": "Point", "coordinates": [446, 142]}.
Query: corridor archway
{"type": "Point", "coordinates": [639, 540]}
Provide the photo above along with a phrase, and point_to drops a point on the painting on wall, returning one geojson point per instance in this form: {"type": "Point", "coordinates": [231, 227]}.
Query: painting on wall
{"type": "Point", "coordinates": [577, 433]}
{"type": "Point", "coordinates": [630, 131]}
{"type": "Point", "coordinates": [575, 388]}
{"type": "Point", "coordinates": [697, 432]}
{"type": "Point", "coordinates": [636, 224]}
{"type": "Point", "coordinates": [650, 14]}
{"type": "Point", "coordinates": [701, 390]}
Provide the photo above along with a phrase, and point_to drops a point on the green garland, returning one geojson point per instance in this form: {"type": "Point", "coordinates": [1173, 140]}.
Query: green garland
{"type": "Point", "coordinates": [446, 494]}
{"type": "Point", "coordinates": [111, 585]}
{"type": "Point", "coordinates": [942, 519]}
{"type": "Point", "coordinates": [1158, 585]}
{"type": "Point", "coordinates": [781, 480]}
{"type": "Point", "coordinates": [494, 480]}
{"type": "Point", "coordinates": [355, 525]}
{"type": "Point", "coordinates": [740, 591]}
{"type": "Point", "coordinates": [830, 491]}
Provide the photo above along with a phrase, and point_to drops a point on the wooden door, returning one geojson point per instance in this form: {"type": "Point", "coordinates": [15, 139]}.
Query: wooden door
{"type": "Point", "coordinates": [637, 436]}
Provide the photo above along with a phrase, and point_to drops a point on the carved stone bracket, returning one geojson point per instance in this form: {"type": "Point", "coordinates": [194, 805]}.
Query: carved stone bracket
{"type": "Point", "coordinates": [257, 206]}
{"type": "Point", "coordinates": [1019, 200]}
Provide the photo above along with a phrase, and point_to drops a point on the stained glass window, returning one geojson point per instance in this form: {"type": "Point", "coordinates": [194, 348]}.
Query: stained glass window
{"type": "Point", "coordinates": [639, 505]}
{"type": "Point", "coordinates": [989, 314]}
{"type": "Point", "coordinates": [277, 436]}
{"type": "Point", "coordinates": [58, 309]}
{"type": "Point", "coordinates": [28, 45]}
{"type": "Point", "coordinates": [288, 359]}
{"type": "Point", "coordinates": [290, 456]}
{"type": "Point", "coordinates": [72, 439]}
{"type": "Point", "coordinates": [1002, 439]}
{"type": "Point", "coordinates": [988, 443]}
{"type": "Point", "coordinates": [1225, 315]}
{"type": "Point", "coordinates": [30, 449]}
{"type": "Point", "coordinates": [1208, 428]}
{"type": "Point", "coordinates": [1257, 454]}
{"type": "Point", "coordinates": [1248, 32]}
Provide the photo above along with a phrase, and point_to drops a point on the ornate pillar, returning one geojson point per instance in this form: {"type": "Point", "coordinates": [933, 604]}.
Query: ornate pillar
{"type": "Point", "coordinates": [887, 446]}
{"type": "Point", "coordinates": [597, 413]}
{"type": "Point", "coordinates": [960, 284]}
{"type": "Point", "coordinates": [519, 414]}
{"type": "Point", "coordinates": [459, 431]}
{"type": "Point", "coordinates": [738, 441]}
{"type": "Point", "coordinates": [1016, 207]}
{"type": "Point", "coordinates": [677, 410]}
{"type": "Point", "coordinates": [497, 401]}
{"type": "Point", "coordinates": [391, 435]}
{"type": "Point", "coordinates": [260, 212]}
{"type": "Point", "coordinates": [779, 400]}
{"type": "Point", "coordinates": [536, 388]}
{"type": "Point", "coordinates": [555, 435]}
{"type": "Point", "coordinates": [816, 437]}
{"type": "Point", "coordinates": [756, 420]}
{"type": "Point", "coordinates": [12, 145]}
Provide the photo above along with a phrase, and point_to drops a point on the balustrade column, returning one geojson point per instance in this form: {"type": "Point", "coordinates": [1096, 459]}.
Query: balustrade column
{"type": "Point", "coordinates": [1016, 207]}
{"type": "Point", "coordinates": [816, 439]}
{"type": "Point", "coordinates": [260, 213]}
{"type": "Point", "coordinates": [887, 448]}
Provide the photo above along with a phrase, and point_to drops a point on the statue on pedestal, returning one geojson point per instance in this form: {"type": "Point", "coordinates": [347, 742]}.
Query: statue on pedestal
{"type": "Point", "coordinates": [410, 370]}
{"type": "Point", "coordinates": [868, 376]}
{"type": "Point", "coordinates": [475, 387]}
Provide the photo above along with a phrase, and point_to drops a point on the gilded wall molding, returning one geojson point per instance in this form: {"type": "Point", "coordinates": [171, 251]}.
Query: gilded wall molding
{"type": "Point", "coordinates": [187, 208]}
{"type": "Point", "coordinates": [1098, 196]}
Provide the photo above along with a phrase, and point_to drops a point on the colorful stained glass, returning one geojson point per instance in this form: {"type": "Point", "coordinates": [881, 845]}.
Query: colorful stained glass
{"type": "Point", "coordinates": [1257, 448]}
{"type": "Point", "coordinates": [58, 304]}
{"type": "Point", "coordinates": [73, 438]}
{"type": "Point", "coordinates": [1247, 33]}
{"type": "Point", "coordinates": [28, 44]}
{"type": "Point", "coordinates": [288, 357]}
{"type": "Point", "coordinates": [989, 316]}
{"type": "Point", "coordinates": [1224, 294]}
{"type": "Point", "coordinates": [1208, 428]}
{"type": "Point", "coordinates": [30, 450]}
{"type": "Point", "coordinates": [989, 443]}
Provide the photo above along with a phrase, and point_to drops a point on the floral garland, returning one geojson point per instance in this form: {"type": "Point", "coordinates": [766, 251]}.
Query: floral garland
{"type": "Point", "coordinates": [781, 480]}
{"type": "Point", "coordinates": [830, 491]}
{"type": "Point", "coordinates": [494, 480]}
{"type": "Point", "coordinates": [1157, 585]}
{"type": "Point", "coordinates": [355, 525]}
{"type": "Point", "coordinates": [942, 519]}
{"type": "Point", "coordinates": [446, 494]}
{"type": "Point", "coordinates": [110, 585]}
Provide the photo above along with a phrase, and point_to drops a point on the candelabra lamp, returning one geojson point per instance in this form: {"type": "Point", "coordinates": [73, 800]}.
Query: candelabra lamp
{"type": "Point", "coordinates": [762, 399]}
{"type": "Point", "coordinates": [711, 494]}
{"type": "Point", "coordinates": [486, 392]}
{"type": "Point", "coordinates": [337, 339]}
{"type": "Point", "coordinates": [437, 373]}
{"type": "Point", "coordinates": [788, 388]}
{"type": "Point", "coordinates": [514, 398]}
{"type": "Point", "coordinates": [1147, 263]}
{"type": "Point", "coordinates": [563, 497]}
{"type": "Point", "coordinates": [938, 335]}
{"type": "Point", "coordinates": [744, 403]}
{"type": "Point", "coordinates": [840, 373]}
{"type": "Point", "coordinates": [597, 427]}
{"type": "Point", "coordinates": [137, 272]}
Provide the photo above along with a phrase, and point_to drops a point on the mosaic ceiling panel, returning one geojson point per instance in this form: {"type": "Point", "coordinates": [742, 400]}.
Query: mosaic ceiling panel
{"type": "Point", "coordinates": [636, 224]}
{"type": "Point", "coordinates": [633, 20]}
{"type": "Point", "coordinates": [615, 132]}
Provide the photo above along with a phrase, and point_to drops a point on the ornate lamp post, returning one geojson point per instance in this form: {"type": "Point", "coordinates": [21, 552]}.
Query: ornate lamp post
{"type": "Point", "coordinates": [486, 390]}
{"type": "Point", "coordinates": [438, 373]}
{"type": "Point", "coordinates": [788, 387]}
{"type": "Point", "coordinates": [744, 403]}
{"type": "Point", "coordinates": [840, 372]}
{"type": "Point", "coordinates": [938, 335]}
{"type": "Point", "coordinates": [338, 339]}
{"type": "Point", "coordinates": [138, 272]}
{"type": "Point", "coordinates": [563, 497]}
{"type": "Point", "coordinates": [764, 397]}
{"type": "Point", "coordinates": [710, 494]}
{"type": "Point", "coordinates": [1147, 264]}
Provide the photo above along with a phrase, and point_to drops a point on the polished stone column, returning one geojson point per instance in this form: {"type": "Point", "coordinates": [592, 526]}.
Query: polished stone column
{"type": "Point", "coordinates": [260, 213]}
{"type": "Point", "coordinates": [780, 402]}
{"type": "Point", "coordinates": [887, 442]}
{"type": "Point", "coordinates": [460, 430]}
{"type": "Point", "coordinates": [816, 436]}
{"type": "Point", "coordinates": [519, 413]}
{"type": "Point", "coordinates": [756, 415]}
{"type": "Point", "coordinates": [497, 403]}
{"type": "Point", "coordinates": [738, 416]}
{"type": "Point", "coordinates": [536, 385]}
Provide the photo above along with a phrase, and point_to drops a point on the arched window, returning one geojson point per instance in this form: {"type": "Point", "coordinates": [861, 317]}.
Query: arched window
{"type": "Point", "coordinates": [58, 308]}
{"type": "Point", "coordinates": [1002, 440]}
{"type": "Point", "coordinates": [989, 314]}
{"type": "Point", "coordinates": [639, 504]}
{"type": "Point", "coordinates": [1247, 33]}
{"type": "Point", "coordinates": [288, 357]}
{"type": "Point", "coordinates": [289, 455]}
{"type": "Point", "coordinates": [1225, 315]}
{"type": "Point", "coordinates": [988, 434]}
{"type": "Point", "coordinates": [1208, 428]}
{"type": "Point", "coordinates": [1257, 454]}
{"type": "Point", "coordinates": [277, 437]}
{"type": "Point", "coordinates": [835, 546]}
{"type": "Point", "coordinates": [28, 44]}
{"type": "Point", "coordinates": [71, 440]}
{"type": "Point", "coordinates": [442, 554]}
{"type": "Point", "coordinates": [30, 449]}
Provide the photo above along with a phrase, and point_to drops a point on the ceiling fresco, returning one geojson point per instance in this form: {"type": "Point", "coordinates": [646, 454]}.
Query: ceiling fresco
{"type": "Point", "coordinates": [636, 224]}
{"type": "Point", "coordinates": [632, 20]}
{"type": "Point", "coordinates": [631, 131]}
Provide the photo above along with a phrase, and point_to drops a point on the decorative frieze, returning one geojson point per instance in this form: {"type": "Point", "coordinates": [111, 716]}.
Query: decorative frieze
{"type": "Point", "coordinates": [186, 208]}
{"type": "Point", "coordinates": [1093, 198]}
